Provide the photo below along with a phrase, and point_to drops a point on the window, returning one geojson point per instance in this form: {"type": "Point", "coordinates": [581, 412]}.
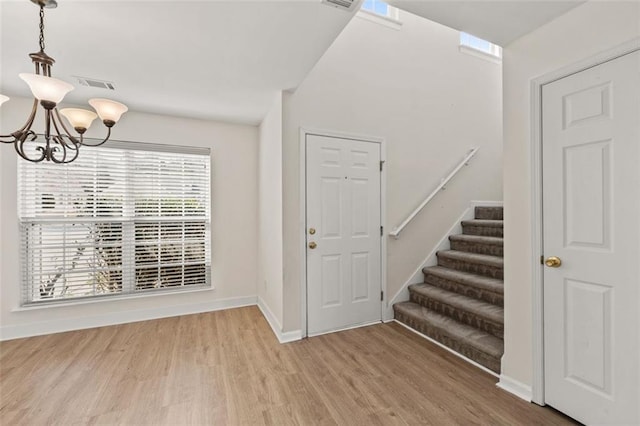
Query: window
{"type": "Point", "coordinates": [380, 8]}
{"type": "Point", "coordinates": [126, 218]}
{"type": "Point", "coordinates": [467, 41]}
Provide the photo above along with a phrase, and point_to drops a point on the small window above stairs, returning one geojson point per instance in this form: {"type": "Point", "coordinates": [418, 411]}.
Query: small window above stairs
{"type": "Point", "coordinates": [460, 304]}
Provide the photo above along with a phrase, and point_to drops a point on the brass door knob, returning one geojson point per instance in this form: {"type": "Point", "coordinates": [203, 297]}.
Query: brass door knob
{"type": "Point", "coordinates": [553, 262]}
{"type": "Point", "coordinates": [312, 245]}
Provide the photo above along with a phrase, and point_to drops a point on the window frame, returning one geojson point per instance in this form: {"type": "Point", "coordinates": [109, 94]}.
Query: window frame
{"type": "Point", "coordinates": [391, 19]}
{"type": "Point", "coordinates": [128, 243]}
{"type": "Point", "coordinates": [494, 54]}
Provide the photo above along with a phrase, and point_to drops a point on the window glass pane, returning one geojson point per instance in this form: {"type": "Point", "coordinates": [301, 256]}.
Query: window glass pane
{"type": "Point", "coordinates": [479, 44]}
{"type": "Point", "coordinates": [381, 8]}
{"type": "Point", "coordinates": [73, 260]}
{"type": "Point", "coordinates": [376, 6]}
{"type": "Point", "coordinates": [114, 221]}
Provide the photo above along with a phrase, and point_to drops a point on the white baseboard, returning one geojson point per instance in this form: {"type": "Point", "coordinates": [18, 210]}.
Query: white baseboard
{"type": "Point", "coordinates": [515, 387]}
{"type": "Point", "coordinates": [283, 337]}
{"type": "Point", "coordinates": [448, 349]}
{"type": "Point", "coordinates": [71, 324]}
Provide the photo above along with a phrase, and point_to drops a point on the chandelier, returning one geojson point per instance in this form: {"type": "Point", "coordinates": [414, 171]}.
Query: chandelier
{"type": "Point", "coordinates": [56, 143]}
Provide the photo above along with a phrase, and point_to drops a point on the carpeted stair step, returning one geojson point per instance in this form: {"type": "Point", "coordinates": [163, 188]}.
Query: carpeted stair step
{"type": "Point", "coordinates": [487, 228]}
{"type": "Point", "coordinates": [490, 213]}
{"type": "Point", "coordinates": [481, 347]}
{"type": "Point", "coordinates": [477, 244]}
{"type": "Point", "coordinates": [475, 313]}
{"type": "Point", "coordinates": [481, 264]}
{"type": "Point", "coordinates": [490, 290]}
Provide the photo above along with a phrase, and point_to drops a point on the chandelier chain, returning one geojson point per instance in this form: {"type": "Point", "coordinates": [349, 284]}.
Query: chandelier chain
{"type": "Point", "coordinates": [42, 28]}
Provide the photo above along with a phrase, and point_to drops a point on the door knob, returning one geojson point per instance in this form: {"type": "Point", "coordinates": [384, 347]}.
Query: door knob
{"type": "Point", "coordinates": [553, 262]}
{"type": "Point", "coordinates": [312, 245]}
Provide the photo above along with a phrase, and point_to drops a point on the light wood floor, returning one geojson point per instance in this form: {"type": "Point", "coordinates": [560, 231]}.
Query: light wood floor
{"type": "Point", "coordinates": [227, 368]}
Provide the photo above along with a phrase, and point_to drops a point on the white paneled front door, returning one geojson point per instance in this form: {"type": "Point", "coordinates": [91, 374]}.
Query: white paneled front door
{"type": "Point", "coordinates": [591, 210]}
{"type": "Point", "coordinates": [343, 233]}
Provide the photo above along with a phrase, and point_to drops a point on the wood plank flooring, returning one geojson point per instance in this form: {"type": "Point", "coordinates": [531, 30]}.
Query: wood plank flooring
{"type": "Point", "coordinates": [227, 368]}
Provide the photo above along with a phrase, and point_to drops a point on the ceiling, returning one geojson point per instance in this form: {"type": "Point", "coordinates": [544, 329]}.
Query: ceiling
{"type": "Point", "coordinates": [220, 60]}
{"type": "Point", "coordinates": [499, 22]}
{"type": "Point", "coordinates": [214, 59]}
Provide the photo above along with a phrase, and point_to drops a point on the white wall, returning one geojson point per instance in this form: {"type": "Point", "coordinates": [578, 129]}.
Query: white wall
{"type": "Point", "coordinates": [582, 32]}
{"type": "Point", "coordinates": [234, 225]}
{"type": "Point", "coordinates": [430, 102]}
{"type": "Point", "coordinates": [270, 266]}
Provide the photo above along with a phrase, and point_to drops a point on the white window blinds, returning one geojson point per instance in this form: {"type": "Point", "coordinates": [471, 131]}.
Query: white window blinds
{"type": "Point", "coordinates": [129, 218]}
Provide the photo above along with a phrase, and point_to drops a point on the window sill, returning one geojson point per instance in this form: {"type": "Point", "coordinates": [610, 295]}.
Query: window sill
{"type": "Point", "coordinates": [88, 301]}
{"type": "Point", "coordinates": [480, 54]}
{"type": "Point", "coordinates": [379, 19]}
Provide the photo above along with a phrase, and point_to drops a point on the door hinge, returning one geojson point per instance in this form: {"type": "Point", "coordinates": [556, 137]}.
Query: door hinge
{"type": "Point", "coordinates": [381, 231]}
{"type": "Point", "coordinates": [381, 163]}
{"type": "Point", "coordinates": [382, 296]}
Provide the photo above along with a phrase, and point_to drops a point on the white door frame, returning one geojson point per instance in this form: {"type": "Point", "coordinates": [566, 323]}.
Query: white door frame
{"type": "Point", "coordinates": [302, 226]}
{"type": "Point", "coordinates": [537, 385]}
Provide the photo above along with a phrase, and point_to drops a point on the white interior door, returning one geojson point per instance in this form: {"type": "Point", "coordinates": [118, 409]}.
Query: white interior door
{"type": "Point", "coordinates": [343, 233]}
{"type": "Point", "coordinates": [591, 187]}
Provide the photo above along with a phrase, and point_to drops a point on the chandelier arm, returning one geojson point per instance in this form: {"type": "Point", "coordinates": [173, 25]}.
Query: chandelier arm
{"type": "Point", "coordinates": [25, 128]}
{"type": "Point", "coordinates": [71, 145]}
{"type": "Point", "coordinates": [103, 141]}
{"type": "Point", "coordinates": [19, 147]}
{"type": "Point", "coordinates": [62, 144]}
{"type": "Point", "coordinates": [55, 149]}
{"type": "Point", "coordinates": [66, 133]}
{"type": "Point", "coordinates": [60, 141]}
{"type": "Point", "coordinates": [8, 140]}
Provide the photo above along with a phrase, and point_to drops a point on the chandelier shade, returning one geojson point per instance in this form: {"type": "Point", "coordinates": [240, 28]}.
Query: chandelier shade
{"type": "Point", "coordinates": [56, 143]}
{"type": "Point", "coordinates": [109, 111]}
{"type": "Point", "coordinates": [46, 88]}
{"type": "Point", "coordinates": [80, 119]}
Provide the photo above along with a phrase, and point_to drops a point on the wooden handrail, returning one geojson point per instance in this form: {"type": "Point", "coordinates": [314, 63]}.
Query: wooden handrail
{"type": "Point", "coordinates": [396, 232]}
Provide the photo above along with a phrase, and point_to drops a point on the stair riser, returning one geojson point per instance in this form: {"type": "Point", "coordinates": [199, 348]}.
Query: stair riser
{"type": "Point", "coordinates": [482, 358]}
{"type": "Point", "coordinates": [485, 231]}
{"type": "Point", "coordinates": [474, 268]}
{"type": "Point", "coordinates": [464, 289]}
{"type": "Point", "coordinates": [489, 213]}
{"type": "Point", "coordinates": [461, 316]}
{"type": "Point", "coordinates": [480, 248]}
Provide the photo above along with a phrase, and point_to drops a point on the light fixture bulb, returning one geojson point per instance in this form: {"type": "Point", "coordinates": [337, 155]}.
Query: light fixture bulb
{"type": "Point", "coordinates": [3, 99]}
{"type": "Point", "coordinates": [47, 89]}
{"type": "Point", "coordinates": [109, 111]}
{"type": "Point", "coordinates": [79, 118]}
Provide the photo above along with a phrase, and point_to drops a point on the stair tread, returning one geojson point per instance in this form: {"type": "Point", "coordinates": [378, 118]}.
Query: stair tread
{"type": "Point", "coordinates": [494, 212]}
{"type": "Point", "coordinates": [458, 301]}
{"type": "Point", "coordinates": [475, 280]}
{"type": "Point", "coordinates": [484, 259]}
{"type": "Point", "coordinates": [481, 341]}
{"type": "Point", "coordinates": [484, 222]}
{"type": "Point", "coordinates": [497, 241]}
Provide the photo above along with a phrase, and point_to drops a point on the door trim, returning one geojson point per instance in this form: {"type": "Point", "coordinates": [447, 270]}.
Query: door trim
{"type": "Point", "coordinates": [302, 226]}
{"type": "Point", "coordinates": [537, 385]}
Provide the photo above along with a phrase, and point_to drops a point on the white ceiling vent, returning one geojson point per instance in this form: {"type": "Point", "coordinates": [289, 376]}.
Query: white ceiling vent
{"type": "Point", "coordinates": [341, 4]}
{"type": "Point", "coordinates": [92, 82]}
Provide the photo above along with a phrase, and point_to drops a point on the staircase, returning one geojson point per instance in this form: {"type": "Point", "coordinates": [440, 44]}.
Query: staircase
{"type": "Point", "coordinates": [460, 304]}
